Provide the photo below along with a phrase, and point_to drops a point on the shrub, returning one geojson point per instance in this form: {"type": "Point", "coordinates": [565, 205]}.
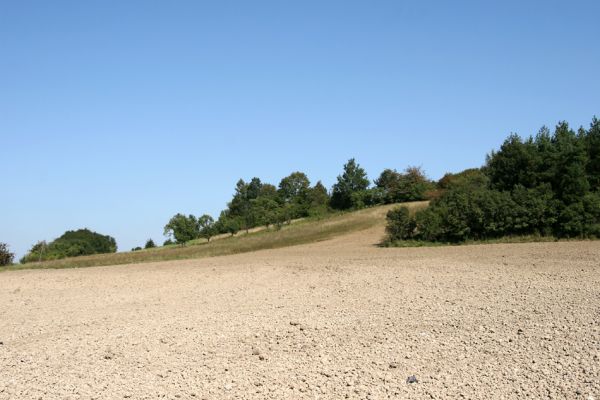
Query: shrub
{"type": "Point", "coordinates": [400, 225]}
{"type": "Point", "coordinates": [6, 257]}
{"type": "Point", "coordinates": [149, 244]}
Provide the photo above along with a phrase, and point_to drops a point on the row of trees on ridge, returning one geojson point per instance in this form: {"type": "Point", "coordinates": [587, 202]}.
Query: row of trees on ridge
{"type": "Point", "coordinates": [256, 203]}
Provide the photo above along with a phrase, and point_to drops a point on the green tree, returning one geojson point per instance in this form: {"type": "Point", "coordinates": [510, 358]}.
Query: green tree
{"type": "Point", "coordinates": [293, 187]}
{"type": "Point", "coordinates": [206, 225]}
{"type": "Point", "coordinates": [570, 182]}
{"type": "Point", "coordinates": [182, 228]}
{"type": "Point", "coordinates": [592, 142]}
{"type": "Point", "coordinates": [231, 226]}
{"type": "Point", "coordinates": [6, 257]}
{"type": "Point", "coordinates": [353, 179]}
{"type": "Point", "coordinates": [318, 200]}
{"type": "Point", "coordinates": [71, 244]}
{"type": "Point", "coordinates": [295, 190]}
{"type": "Point", "coordinates": [514, 164]}
{"type": "Point", "coordinates": [149, 244]}
{"type": "Point", "coordinates": [264, 211]}
{"type": "Point", "coordinates": [412, 185]}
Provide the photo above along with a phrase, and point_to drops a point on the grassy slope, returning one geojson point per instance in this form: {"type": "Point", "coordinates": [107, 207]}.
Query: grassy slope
{"type": "Point", "coordinates": [305, 231]}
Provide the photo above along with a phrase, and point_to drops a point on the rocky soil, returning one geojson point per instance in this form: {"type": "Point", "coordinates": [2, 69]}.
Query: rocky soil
{"type": "Point", "coordinates": [337, 319]}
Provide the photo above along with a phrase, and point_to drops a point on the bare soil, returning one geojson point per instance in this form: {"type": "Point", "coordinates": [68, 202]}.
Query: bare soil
{"type": "Point", "coordinates": [341, 318]}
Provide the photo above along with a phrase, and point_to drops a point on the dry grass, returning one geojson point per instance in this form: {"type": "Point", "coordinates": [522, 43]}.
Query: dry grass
{"type": "Point", "coordinates": [301, 232]}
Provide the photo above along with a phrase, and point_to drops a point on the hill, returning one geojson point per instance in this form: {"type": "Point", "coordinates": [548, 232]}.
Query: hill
{"type": "Point", "coordinates": [301, 232]}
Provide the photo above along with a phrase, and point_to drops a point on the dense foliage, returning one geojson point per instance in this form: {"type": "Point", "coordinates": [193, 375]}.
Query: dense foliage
{"type": "Point", "coordinates": [412, 185]}
{"type": "Point", "coordinates": [6, 257]}
{"type": "Point", "coordinates": [256, 203]}
{"type": "Point", "coordinates": [182, 228]}
{"type": "Point", "coordinates": [350, 186]}
{"type": "Point", "coordinates": [70, 244]}
{"type": "Point", "coordinates": [544, 185]}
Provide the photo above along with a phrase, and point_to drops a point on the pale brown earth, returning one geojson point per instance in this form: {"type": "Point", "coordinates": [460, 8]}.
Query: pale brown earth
{"type": "Point", "coordinates": [335, 319]}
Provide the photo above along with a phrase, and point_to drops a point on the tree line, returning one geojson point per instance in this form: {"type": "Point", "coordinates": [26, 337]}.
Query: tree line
{"type": "Point", "coordinates": [256, 203]}
{"type": "Point", "coordinates": [543, 185]}
{"type": "Point", "coordinates": [547, 185]}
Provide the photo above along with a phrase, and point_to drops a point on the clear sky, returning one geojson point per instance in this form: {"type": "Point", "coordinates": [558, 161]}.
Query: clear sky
{"type": "Point", "coordinates": [115, 115]}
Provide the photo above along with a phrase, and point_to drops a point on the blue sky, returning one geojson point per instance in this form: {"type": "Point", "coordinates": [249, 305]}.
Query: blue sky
{"type": "Point", "coordinates": [115, 115]}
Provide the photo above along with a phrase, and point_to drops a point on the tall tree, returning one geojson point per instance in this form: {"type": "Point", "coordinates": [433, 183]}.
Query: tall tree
{"type": "Point", "coordinates": [570, 181]}
{"type": "Point", "coordinates": [515, 164]}
{"type": "Point", "coordinates": [592, 141]}
{"type": "Point", "coordinates": [318, 196]}
{"type": "Point", "coordinates": [353, 179]}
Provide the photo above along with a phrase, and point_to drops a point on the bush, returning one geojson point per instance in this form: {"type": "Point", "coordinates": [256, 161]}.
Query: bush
{"type": "Point", "coordinates": [6, 257]}
{"type": "Point", "coordinates": [71, 244]}
{"type": "Point", "coordinates": [400, 225]}
{"type": "Point", "coordinates": [149, 244]}
{"type": "Point", "coordinates": [412, 185]}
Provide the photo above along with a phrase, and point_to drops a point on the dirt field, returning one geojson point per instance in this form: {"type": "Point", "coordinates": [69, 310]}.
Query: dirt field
{"type": "Point", "coordinates": [336, 319]}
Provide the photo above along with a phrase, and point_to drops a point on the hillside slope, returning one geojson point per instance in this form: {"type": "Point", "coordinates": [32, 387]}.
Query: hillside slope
{"type": "Point", "coordinates": [305, 231]}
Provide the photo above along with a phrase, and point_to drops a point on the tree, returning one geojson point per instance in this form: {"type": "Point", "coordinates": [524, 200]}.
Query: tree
{"type": "Point", "coordinates": [353, 179]}
{"type": "Point", "coordinates": [254, 189]}
{"type": "Point", "coordinates": [71, 244]}
{"type": "Point", "coordinates": [570, 181]}
{"type": "Point", "coordinates": [6, 257]}
{"type": "Point", "coordinates": [231, 226]}
{"type": "Point", "coordinates": [513, 164]}
{"type": "Point", "coordinates": [412, 185]}
{"type": "Point", "coordinates": [293, 187]}
{"type": "Point", "coordinates": [264, 211]}
{"type": "Point", "coordinates": [206, 224]}
{"type": "Point", "coordinates": [182, 228]}
{"type": "Point", "coordinates": [149, 244]}
{"type": "Point", "coordinates": [318, 200]}
{"type": "Point", "coordinates": [294, 190]}
{"type": "Point", "coordinates": [592, 142]}
{"type": "Point", "coordinates": [545, 185]}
